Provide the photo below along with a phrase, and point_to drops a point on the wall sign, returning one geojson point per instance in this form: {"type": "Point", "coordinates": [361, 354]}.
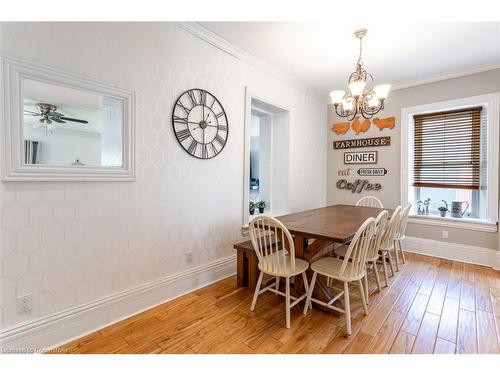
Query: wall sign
{"type": "Point", "coordinates": [372, 172]}
{"type": "Point", "coordinates": [383, 123]}
{"type": "Point", "coordinates": [365, 142]}
{"type": "Point", "coordinates": [365, 157]}
{"type": "Point", "coordinates": [358, 186]}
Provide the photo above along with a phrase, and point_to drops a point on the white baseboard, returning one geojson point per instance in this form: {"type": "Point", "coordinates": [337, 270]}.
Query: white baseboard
{"type": "Point", "coordinates": [53, 330]}
{"type": "Point", "coordinates": [453, 251]}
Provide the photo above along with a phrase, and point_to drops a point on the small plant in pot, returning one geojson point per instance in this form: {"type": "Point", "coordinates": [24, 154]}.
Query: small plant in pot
{"type": "Point", "coordinates": [426, 206]}
{"type": "Point", "coordinates": [419, 210]}
{"type": "Point", "coordinates": [442, 211]}
{"type": "Point", "coordinates": [251, 207]}
{"type": "Point", "coordinates": [261, 205]}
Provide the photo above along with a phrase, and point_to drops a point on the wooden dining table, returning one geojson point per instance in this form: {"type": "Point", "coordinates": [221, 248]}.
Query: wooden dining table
{"type": "Point", "coordinates": [320, 231]}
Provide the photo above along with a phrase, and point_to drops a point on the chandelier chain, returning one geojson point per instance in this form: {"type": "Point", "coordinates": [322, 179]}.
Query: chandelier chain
{"type": "Point", "coordinates": [360, 51]}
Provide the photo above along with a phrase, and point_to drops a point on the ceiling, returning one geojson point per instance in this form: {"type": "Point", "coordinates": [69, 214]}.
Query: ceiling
{"type": "Point", "coordinates": [322, 55]}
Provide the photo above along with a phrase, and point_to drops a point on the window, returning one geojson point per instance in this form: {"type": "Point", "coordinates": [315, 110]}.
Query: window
{"type": "Point", "coordinates": [450, 154]}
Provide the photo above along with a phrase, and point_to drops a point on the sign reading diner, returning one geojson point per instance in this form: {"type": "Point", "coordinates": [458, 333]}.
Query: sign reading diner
{"type": "Point", "coordinates": [365, 142]}
{"type": "Point", "coordinates": [365, 157]}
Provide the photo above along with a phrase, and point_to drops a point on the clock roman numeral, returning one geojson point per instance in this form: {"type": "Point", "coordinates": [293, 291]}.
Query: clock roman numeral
{"type": "Point", "coordinates": [223, 127]}
{"type": "Point", "coordinates": [203, 98]}
{"type": "Point", "coordinates": [192, 96]}
{"type": "Point", "coordinates": [211, 105]}
{"type": "Point", "coordinates": [179, 103]}
{"type": "Point", "coordinates": [219, 139]}
{"type": "Point", "coordinates": [183, 134]}
{"type": "Point", "coordinates": [214, 149]}
{"type": "Point", "coordinates": [192, 147]}
{"type": "Point", "coordinates": [180, 120]}
{"type": "Point", "coordinates": [204, 151]}
{"type": "Point", "coordinates": [219, 115]}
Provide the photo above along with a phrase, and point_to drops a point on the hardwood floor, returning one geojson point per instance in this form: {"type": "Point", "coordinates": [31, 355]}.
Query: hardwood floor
{"type": "Point", "coordinates": [431, 306]}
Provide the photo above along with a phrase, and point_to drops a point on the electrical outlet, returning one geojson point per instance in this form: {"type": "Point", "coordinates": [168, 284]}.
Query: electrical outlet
{"type": "Point", "coordinates": [189, 257]}
{"type": "Point", "coordinates": [25, 303]}
{"type": "Point", "coordinates": [445, 234]}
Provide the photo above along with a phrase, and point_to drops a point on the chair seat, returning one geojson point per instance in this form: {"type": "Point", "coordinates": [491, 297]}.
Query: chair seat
{"type": "Point", "coordinates": [300, 266]}
{"type": "Point", "coordinates": [342, 250]}
{"type": "Point", "coordinates": [330, 267]}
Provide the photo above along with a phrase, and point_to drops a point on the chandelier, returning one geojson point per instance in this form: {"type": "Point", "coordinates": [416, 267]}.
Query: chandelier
{"type": "Point", "coordinates": [366, 103]}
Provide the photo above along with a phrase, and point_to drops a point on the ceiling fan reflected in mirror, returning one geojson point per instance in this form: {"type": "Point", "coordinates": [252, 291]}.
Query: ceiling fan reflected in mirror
{"type": "Point", "coordinates": [49, 116]}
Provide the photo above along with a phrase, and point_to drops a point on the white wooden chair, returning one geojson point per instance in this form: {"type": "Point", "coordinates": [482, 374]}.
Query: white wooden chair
{"type": "Point", "coordinates": [275, 250]}
{"type": "Point", "coordinates": [351, 269]}
{"type": "Point", "coordinates": [370, 202]}
{"type": "Point", "coordinates": [400, 234]}
{"type": "Point", "coordinates": [373, 252]}
{"type": "Point", "coordinates": [387, 243]}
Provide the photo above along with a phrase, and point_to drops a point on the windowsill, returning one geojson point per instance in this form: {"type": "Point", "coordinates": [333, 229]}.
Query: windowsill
{"type": "Point", "coordinates": [451, 222]}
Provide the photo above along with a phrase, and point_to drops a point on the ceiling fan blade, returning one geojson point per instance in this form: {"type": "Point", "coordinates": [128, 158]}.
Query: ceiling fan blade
{"type": "Point", "coordinates": [58, 119]}
{"type": "Point", "coordinates": [56, 114]}
{"type": "Point", "coordinates": [73, 119]}
{"type": "Point", "coordinates": [27, 112]}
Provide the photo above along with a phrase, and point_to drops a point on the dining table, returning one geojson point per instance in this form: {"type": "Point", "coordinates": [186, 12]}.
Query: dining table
{"type": "Point", "coordinates": [318, 232]}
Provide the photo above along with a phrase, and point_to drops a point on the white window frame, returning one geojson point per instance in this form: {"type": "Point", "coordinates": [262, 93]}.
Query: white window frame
{"type": "Point", "coordinates": [492, 103]}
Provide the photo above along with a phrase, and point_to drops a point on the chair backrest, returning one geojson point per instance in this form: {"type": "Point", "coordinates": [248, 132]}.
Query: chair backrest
{"type": "Point", "coordinates": [380, 227]}
{"type": "Point", "coordinates": [370, 202]}
{"type": "Point", "coordinates": [272, 243]}
{"type": "Point", "coordinates": [391, 229]}
{"type": "Point", "coordinates": [403, 221]}
{"type": "Point", "coordinates": [354, 263]}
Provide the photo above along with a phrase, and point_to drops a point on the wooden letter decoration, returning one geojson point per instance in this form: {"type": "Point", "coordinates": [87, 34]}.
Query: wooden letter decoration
{"type": "Point", "coordinates": [360, 127]}
{"type": "Point", "coordinates": [383, 123]}
{"type": "Point", "coordinates": [340, 128]}
{"type": "Point", "coordinates": [357, 186]}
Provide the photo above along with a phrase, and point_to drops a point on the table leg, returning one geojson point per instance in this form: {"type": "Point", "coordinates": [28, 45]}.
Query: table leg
{"type": "Point", "coordinates": [241, 272]}
{"type": "Point", "coordinates": [298, 284]}
{"type": "Point", "coordinates": [253, 270]}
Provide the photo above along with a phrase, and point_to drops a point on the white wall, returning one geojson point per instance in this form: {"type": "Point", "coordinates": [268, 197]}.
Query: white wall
{"type": "Point", "coordinates": [389, 156]}
{"type": "Point", "coordinates": [71, 243]}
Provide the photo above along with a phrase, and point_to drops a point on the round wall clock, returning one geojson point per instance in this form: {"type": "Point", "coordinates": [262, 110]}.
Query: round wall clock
{"type": "Point", "coordinates": [200, 123]}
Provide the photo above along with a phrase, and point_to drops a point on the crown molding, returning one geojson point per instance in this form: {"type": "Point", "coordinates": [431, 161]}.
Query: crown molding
{"type": "Point", "coordinates": [444, 76]}
{"type": "Point", "coordinates": [219, 42]}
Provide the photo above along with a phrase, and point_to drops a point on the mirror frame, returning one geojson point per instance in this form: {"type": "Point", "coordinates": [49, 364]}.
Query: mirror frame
{"type": "Point", "coordinates": [14, 73]}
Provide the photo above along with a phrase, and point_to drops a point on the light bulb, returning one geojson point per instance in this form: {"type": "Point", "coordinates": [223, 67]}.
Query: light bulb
{"type": "Point", "coordinates": [356, 88]}
{"type": "Point", "coordinates": [336, 96]}
{"type": "Point", "coordinates": [382, 91]}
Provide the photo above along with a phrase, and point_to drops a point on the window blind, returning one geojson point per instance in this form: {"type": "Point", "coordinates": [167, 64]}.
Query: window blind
{"type": "Point", "coordinates": [447, 149]}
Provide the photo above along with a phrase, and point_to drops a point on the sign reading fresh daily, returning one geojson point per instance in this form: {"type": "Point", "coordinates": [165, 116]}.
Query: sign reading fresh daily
{"type": "Point", "coordinates": [372, 172]}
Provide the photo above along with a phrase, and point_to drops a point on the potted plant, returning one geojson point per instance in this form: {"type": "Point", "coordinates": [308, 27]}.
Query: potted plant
{"type": "Point", "coordinates": [419, 208]}
{"type": "Point", "coordinates": [442, 211]}
{"type": "Point", "coordinates": [261, 205]}
{"type": "Point", "coordinates": [426, 205]}
{"type": "Point", "coordinates": [251, 208]}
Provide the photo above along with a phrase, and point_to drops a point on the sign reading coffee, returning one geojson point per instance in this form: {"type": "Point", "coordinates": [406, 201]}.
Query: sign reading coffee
{"type": "Point", "coordinates": [358, 186]}
{"type": "Point", "coordinates": [365, 157]}
{"type": "Point", "coordinates": [366, 142]}
{"type": "Point", "coordinates": [372, 172]}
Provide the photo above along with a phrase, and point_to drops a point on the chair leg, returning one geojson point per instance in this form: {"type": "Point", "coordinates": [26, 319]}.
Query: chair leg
{"type": "Point", "coordinates": [257, 289]}
{"type": "Point", "coordinates": [384, 263]}
{"type": "Point", "coordinates": [287, 303]}
{"type": "Point", "coordinates": [396, 255]}
{"type": "Point", "coordinates": [391, 262]}
{"type": "Point", "coordinates": [309, 293]}
{"type": "Point", "coordinates": [377, 277]}
{"type": "Point", "coordinates": [277, 284]}
{"type": "Point", "coordinates": [306, 286]}
{"type": "Point", "coordinates": [347, 308]}
{"type": "Point", "coordinates": [366, 287]}
{"type": "Point", "coordinates": [363, 300]}
{"type": "Point", "coordinates": [402, 251]}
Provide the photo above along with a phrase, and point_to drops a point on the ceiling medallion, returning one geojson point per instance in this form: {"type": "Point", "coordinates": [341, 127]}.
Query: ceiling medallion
{"type": "Point", "coordinates": [366, 103]}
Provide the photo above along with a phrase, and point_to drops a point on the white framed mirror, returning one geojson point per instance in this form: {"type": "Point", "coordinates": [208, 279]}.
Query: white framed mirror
{"type": "Point", "coordinates": [59, 126]}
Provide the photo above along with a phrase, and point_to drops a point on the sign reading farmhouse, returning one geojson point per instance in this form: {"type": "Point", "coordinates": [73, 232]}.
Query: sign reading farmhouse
{"type": "Point", "coordinates": [365, 157]}
{"type": "Point", "coordinates": [366, 142]}
{"type": "Point", "coordinates": [372, 171]}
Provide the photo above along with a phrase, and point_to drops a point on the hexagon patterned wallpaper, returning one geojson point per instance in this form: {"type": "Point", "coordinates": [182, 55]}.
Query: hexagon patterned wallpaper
{"type": "Point", "coordinates": [71, 243]}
